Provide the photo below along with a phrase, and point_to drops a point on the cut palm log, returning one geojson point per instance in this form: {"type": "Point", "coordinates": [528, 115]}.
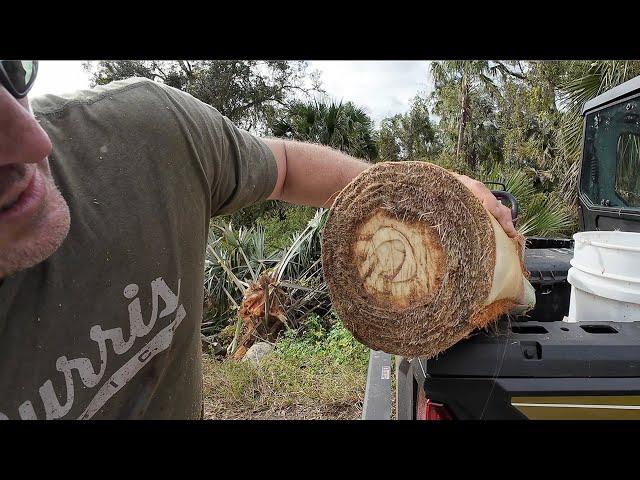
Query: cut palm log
{"type": "Point", "coordinates": [414, 263]}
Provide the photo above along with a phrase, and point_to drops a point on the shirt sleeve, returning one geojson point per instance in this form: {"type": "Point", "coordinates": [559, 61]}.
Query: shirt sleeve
{"type": "Point", "coordinates": [248, 172]}
{"type": "Point", "coordinates": [239, 167]}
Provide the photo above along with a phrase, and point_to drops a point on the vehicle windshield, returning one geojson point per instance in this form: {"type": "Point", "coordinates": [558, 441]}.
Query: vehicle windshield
{"type": "Point", "coordinates": [611, 158]}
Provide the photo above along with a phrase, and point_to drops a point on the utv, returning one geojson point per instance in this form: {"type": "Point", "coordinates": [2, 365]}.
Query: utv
{"type": "Point", "coordinates": [538, 366]}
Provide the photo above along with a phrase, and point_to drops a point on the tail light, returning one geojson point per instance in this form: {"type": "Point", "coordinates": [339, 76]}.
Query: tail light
{"type": "Point", "coordinates": [426, 409]}
{"type": "Point", "coordinates": [436, 411]}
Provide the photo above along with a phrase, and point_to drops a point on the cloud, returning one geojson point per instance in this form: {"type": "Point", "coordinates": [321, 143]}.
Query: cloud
{"type": "Point", "coordinates": [59, 76]}
{"type": "Point", "coordinates": [383, 88]}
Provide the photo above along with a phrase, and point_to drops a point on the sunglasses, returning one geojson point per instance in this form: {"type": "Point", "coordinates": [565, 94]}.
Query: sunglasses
{"type": "Point", "coordinates": [17, 76]}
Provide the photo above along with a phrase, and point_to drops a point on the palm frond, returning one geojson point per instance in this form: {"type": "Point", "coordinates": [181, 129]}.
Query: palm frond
{"type": "Point", "coordinates": [546, 215]}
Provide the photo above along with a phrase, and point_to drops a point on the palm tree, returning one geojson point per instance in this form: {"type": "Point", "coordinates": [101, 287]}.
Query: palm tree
{"type": "Point", "coordinates": [465, 74]}
{"type": "Point", "coordinates": [343, 126]}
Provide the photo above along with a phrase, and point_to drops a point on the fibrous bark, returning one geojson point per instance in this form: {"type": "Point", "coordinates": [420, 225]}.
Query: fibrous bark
{"type": "Point", "coordinates": [414, 262]}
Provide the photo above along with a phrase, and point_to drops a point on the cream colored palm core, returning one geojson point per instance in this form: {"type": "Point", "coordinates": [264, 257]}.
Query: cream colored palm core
{"type": "Point", "coordinates": [508, 280]}
{"type": "Point", "coordinates": [401, 262]}
{"type": "Point", "coordinates": [398, 262]}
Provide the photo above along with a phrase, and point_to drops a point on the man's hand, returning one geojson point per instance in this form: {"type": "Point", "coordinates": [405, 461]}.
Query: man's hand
{"type": "Point", "coordinates": [491, 203]}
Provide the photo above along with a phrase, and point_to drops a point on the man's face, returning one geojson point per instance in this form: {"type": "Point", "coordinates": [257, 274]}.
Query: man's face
{"type": "Point", "coordinates": [34, 218]}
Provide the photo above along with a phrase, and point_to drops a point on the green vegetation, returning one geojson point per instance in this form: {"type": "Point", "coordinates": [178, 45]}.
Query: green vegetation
{"type": "Point", "coordinates": [279, 224]}
{"type": "Point", "coordinates": [321, 339]}
{"type": "Point", "coordinates": [342, 126]}
{"type": "Point", "coordinates": [318, 372]}
{"type": "Point", "coordinates": [542, 212]}
{"type": "Point", "coordinates": [408, 136]}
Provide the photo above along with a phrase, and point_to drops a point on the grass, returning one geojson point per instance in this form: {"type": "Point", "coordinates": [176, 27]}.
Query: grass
{"type": "Point", "coordinates": [315, 374]}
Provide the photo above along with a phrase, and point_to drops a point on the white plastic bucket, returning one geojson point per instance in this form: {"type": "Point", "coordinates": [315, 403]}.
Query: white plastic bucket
{"type": "Point", "coordinates": [605, 277]}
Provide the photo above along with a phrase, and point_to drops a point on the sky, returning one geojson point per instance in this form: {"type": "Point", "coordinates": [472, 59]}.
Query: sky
{"type": "Point", "coordinates": [382, 88]}
{"type": "Point", "coordinates": [59, 76]}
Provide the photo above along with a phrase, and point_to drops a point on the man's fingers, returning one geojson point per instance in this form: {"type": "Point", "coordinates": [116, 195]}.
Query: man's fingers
{"type": "Point", "coordinates": [501, 213]}
{"type": "Point", "coordinates": [507, 222]}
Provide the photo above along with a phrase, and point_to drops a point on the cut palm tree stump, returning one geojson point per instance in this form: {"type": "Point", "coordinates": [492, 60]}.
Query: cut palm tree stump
{"type": "Point", "coordinates": [414, 263]}
{"type": "Point", "coordinates": [261, 312]}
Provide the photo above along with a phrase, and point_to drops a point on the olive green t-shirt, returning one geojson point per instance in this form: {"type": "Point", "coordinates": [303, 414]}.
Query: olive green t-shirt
{"type": "Point", "coordinates": [109, 326]}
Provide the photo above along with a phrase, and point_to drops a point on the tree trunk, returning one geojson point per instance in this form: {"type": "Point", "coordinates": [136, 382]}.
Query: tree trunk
{"type": "Point", "coordinates": [410, 269]}
{"type": "Point", "coordinates": [464, 108]}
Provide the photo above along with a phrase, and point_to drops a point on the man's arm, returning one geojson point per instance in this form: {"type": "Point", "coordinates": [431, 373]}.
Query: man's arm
{"type": "Point", "coordinates": [310, 174]}
{"type": "Point", "coordinates": [313, 175]}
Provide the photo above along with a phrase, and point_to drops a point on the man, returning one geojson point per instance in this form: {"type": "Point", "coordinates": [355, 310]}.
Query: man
{"type": "Point", "coordinates": [105, 201]}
